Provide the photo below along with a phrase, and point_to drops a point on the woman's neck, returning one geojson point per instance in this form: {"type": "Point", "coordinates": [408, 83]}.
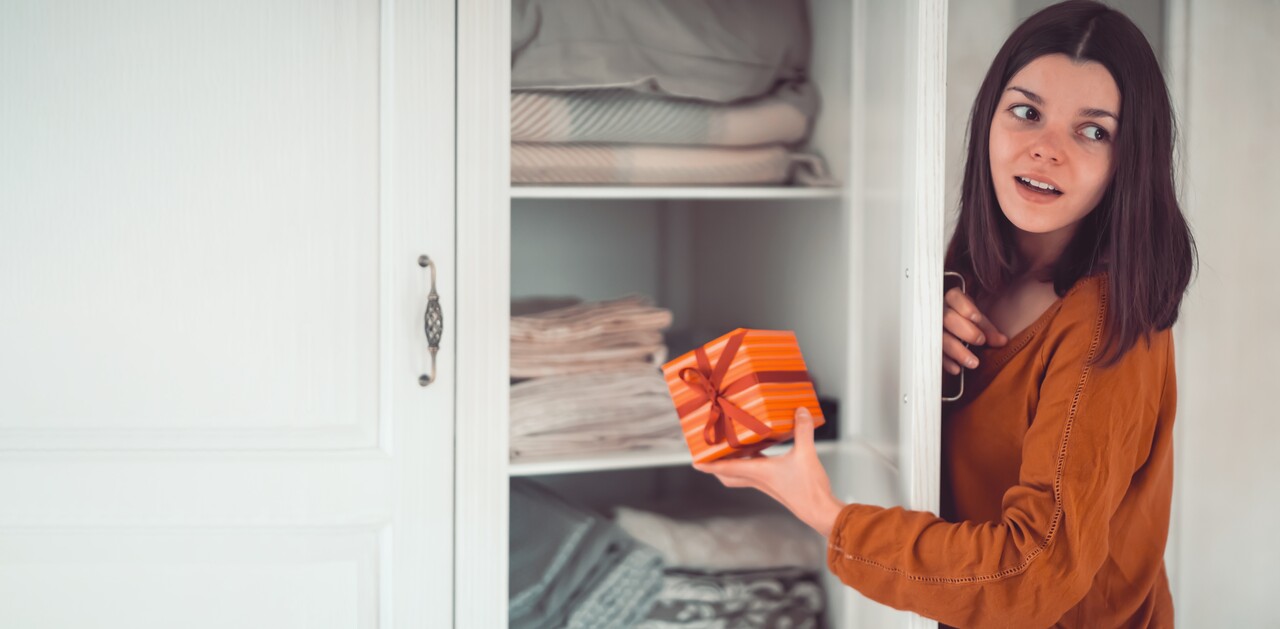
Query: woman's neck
{"type": "Point", "coordinates": [1041, 251]}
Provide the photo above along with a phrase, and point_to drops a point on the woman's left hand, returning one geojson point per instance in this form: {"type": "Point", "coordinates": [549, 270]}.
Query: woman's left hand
{"type": "Point", "coordinates": [795, 479]}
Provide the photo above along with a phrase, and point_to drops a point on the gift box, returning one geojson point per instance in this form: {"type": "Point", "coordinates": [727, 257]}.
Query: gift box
{"type": "Point", "coordinates": [738, 394]}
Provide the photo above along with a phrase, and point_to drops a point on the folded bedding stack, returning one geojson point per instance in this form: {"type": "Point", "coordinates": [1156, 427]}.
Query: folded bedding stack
{"type": "Point", "coordinates": [590, 378]}
{"type": "Point", "coordinates": [662, 92]}
{"type": "Point", "coordinates": [571, 567]}
{"type": "Point", "coordinates": [759, 570]}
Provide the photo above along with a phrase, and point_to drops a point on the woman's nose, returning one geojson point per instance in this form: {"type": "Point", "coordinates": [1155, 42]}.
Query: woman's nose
{"type": "Point", "coordinates": [1047, 146]}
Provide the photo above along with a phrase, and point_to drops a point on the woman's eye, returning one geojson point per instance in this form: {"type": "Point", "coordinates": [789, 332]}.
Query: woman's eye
{"type": "Point", "coordinates": [1030, 114]}
{"type": "Point", "coordinates": [1094, 132]}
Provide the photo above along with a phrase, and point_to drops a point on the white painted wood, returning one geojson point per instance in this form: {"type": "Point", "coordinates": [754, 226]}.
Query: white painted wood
{"type": "Point", "coordinates": [210, 413]}
{"type": "Point", "coordinates": [673, 192]}
{"type": "Point", "coordinates": [650, 459]}
{"type": "Point", "coordinates": [922, 338]}
{"type": "Point", "coordinates": [267, 578]}
{"type": "Point", "coordinates": [484, 268]}
{"type": "Point", "coordinates": [920, 438]}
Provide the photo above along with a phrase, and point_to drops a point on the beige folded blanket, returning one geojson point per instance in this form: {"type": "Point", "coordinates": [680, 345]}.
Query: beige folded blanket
{"type": "Point", "coordinates": [587, 321]}
{"type": "Point", "coordinates": [651, 164]}
{"type": "Point", "coordinates": [622, 116]}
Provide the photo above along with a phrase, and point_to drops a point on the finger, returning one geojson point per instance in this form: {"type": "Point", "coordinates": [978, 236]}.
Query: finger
{"type": "Point", "coordinates": [951, 366]}
{"type": "Point", "coordinates": [804, 430]}
{"type": "Point", "coordinates": [995, 337]}
{"type": "Point", "coordinates": [966, 330]}
{"type": "Point", "coordinates": [738, 469]}
{"type": "Point", "coordinates": [953, 348]}
{"type": "Point", "coordinates": [961, 303]}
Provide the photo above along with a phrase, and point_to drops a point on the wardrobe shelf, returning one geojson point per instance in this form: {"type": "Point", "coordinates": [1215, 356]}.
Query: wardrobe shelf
{"type": "Point", "coordinates": [629, 460]}
{"type": "Point", "coordinates": [673, 192]}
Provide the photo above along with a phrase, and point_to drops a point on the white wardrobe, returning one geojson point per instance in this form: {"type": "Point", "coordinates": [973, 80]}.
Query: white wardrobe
{"type": "Point", "coordinates": [855, 270]}
{"type": "Point", "coordinates": [223, 400]}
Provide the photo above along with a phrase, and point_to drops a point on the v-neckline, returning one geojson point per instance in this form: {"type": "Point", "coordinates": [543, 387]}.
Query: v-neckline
{"type": "Point", "coordinates": [1001, 355]}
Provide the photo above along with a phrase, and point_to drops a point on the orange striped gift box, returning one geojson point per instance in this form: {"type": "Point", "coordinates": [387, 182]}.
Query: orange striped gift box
{"type": "Point", "coordinates": [738, 394]}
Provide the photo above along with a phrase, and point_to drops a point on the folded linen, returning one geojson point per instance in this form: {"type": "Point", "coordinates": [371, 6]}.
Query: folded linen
{"type": "Point", "coordinates": [766, 599]}
{"type": "Point", "coordinates": [719, 50]}
{"type": "Point", "coordinates": [755, 541]}
{"type": "Point", "coordinates": [645, 164]}
{"type": "Point", "coordinates": [627, 409]}
{"type": "Point", "coordinates": [589, 321]}
{"type": "Point", "coordinates": [625, 116]}
{"type": "Point", "coordinates": [570, 567]}
{"type": "Point", "coordinates": [612, 359]}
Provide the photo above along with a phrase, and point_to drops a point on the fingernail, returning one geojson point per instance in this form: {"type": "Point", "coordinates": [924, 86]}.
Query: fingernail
{"type": "Point", "coordinates": [972, 362]}
{"type": "Point", "coordinates": [982, 340]}
{"type": "Point", "coordinates": [802, 412]}
{"type": "Point", "coordinates": [975, 317]}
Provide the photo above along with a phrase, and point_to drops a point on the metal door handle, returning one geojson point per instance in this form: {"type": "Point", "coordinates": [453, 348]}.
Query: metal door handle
{"type": "Point", "coordinates": [962, 289]}
{"type": "Point", "coordinates": [433, 321]}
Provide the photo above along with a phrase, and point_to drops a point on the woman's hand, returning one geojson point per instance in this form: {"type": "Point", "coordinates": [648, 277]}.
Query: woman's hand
{"type": "Point", "coordinates": [795, 479]}
{"type": "Point", "coordinates": [963, 323]}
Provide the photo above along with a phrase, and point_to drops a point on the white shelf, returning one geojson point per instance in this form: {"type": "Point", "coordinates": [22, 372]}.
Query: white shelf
{"type": "Point", "coordinates": [629, 460]}
{"type": "Point", "coordinates": [673, 192]}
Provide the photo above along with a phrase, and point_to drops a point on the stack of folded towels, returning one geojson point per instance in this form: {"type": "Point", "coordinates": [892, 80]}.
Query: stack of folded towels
{"type": "Point", "coordinates": [758, 570]}
{"type": "Point", "coordinates": [590, 377]}
{"type": "Point", "coordinates": [571, 567]}
{"type": "Point", "coordinates": [662, 92]}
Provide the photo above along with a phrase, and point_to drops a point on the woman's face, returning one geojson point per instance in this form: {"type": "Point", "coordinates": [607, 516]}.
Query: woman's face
{"type": "Point", "coordinates": [1054, 125]}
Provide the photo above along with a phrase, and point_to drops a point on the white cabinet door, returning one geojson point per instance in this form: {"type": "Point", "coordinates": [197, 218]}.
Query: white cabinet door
{"type": "Point", "coordinates": [212, 313]}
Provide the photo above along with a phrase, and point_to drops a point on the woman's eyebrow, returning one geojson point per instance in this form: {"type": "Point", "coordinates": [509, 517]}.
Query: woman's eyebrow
{"type": "Point", "coordinates": [1087, 112]}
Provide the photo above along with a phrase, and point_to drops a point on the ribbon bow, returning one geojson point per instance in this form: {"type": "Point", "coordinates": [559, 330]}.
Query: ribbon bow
{"type": "Point", "coordinates": [708, 382]}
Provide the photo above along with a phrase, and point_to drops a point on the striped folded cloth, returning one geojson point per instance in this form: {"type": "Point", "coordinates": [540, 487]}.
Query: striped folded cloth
{"type": "Point", "coordinates": [654, 164]}
{"type": "Point", "coordinates": [628, 409]}
{"type": "Point", "coordinates": [621, 116]}
{"type": "Point", "coordinates": [587, 337]}
{"type": "Point", "coordinates": [570, 568]}
{"type": "Point", "coordinates": [589, 320]}
{"type": "Point", "coordinates": [763, 599]}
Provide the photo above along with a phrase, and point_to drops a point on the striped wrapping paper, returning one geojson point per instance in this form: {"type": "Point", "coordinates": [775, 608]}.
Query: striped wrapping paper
{"type": "Point", "coordinates": [772, 403]}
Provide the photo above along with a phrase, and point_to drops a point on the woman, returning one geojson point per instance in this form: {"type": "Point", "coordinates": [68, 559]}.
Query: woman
{"type": "Point", "coordinates": [1057, 462]}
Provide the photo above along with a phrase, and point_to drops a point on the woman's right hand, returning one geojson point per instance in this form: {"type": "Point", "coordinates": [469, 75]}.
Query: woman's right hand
{"type": "Point", "coordinates": [963, 323]}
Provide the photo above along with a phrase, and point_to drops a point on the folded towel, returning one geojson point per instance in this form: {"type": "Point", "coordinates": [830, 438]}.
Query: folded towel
{"type": "Point", "coordinates": [643, 164]}
{"type": "Point", "coordinates": [570, 567]}
{"type": "Point", "coordinates": [589, 321]}
{"type": "Point", "coordinates": [765, 540]}
{"type": "Point", "coordinates": [720, 50]}
{"type": "Point", "coordinates": [628, 409]}
{"type": "Point", "coordinates": [624, 116]}
{"type": "Point", "coordinates": [738, 600]}
{"type": "Point", "coordinates": [544, 365]}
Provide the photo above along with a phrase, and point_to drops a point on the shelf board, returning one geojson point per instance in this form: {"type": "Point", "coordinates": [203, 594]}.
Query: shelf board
{"type": "Point", "coordinates": [673, 192]}
{"type": "Point", "coordinates": [627, 460]}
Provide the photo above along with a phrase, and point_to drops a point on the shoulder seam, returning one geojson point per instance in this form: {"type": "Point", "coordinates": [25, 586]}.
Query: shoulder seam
{"type": "Point", "coordinates": [1057, 481]}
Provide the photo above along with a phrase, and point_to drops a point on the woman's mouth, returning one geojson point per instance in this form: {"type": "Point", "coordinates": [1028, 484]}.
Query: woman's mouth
{"type": "Point", "coordinates": [1036, 191]}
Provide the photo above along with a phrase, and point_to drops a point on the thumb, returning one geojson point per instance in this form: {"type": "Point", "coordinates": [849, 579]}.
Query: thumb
{"type": "Point", "coordinates": [804, 430]}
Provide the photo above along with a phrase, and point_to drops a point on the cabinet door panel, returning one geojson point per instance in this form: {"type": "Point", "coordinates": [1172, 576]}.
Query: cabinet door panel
{"type": "Point", "coordinates": [211, 217]}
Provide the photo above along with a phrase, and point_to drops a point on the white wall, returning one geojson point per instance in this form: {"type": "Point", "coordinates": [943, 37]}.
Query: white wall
{"type": "Point", "coordinates": [1225, 503]}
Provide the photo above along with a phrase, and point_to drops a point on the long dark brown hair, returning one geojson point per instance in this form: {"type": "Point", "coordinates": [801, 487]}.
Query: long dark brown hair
{"type": "Point", "coordinates": [1136, 233]}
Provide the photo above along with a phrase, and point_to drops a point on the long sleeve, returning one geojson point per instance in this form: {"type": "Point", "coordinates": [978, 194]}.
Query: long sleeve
{"type": "Point", "coordinates": [1091, 430]}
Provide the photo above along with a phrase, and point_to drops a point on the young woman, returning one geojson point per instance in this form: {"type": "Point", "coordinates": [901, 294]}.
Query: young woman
{"type": "Point", "coordinates": [1057, 462]}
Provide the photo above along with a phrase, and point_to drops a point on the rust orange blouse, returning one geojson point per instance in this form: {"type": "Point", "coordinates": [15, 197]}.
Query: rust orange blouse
{"type": "Point", "coordinates": [1057, 478]}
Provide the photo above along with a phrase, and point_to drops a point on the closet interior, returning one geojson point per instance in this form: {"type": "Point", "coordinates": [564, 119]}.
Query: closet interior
{"type": "Point", "coordinates": [622, 202]}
